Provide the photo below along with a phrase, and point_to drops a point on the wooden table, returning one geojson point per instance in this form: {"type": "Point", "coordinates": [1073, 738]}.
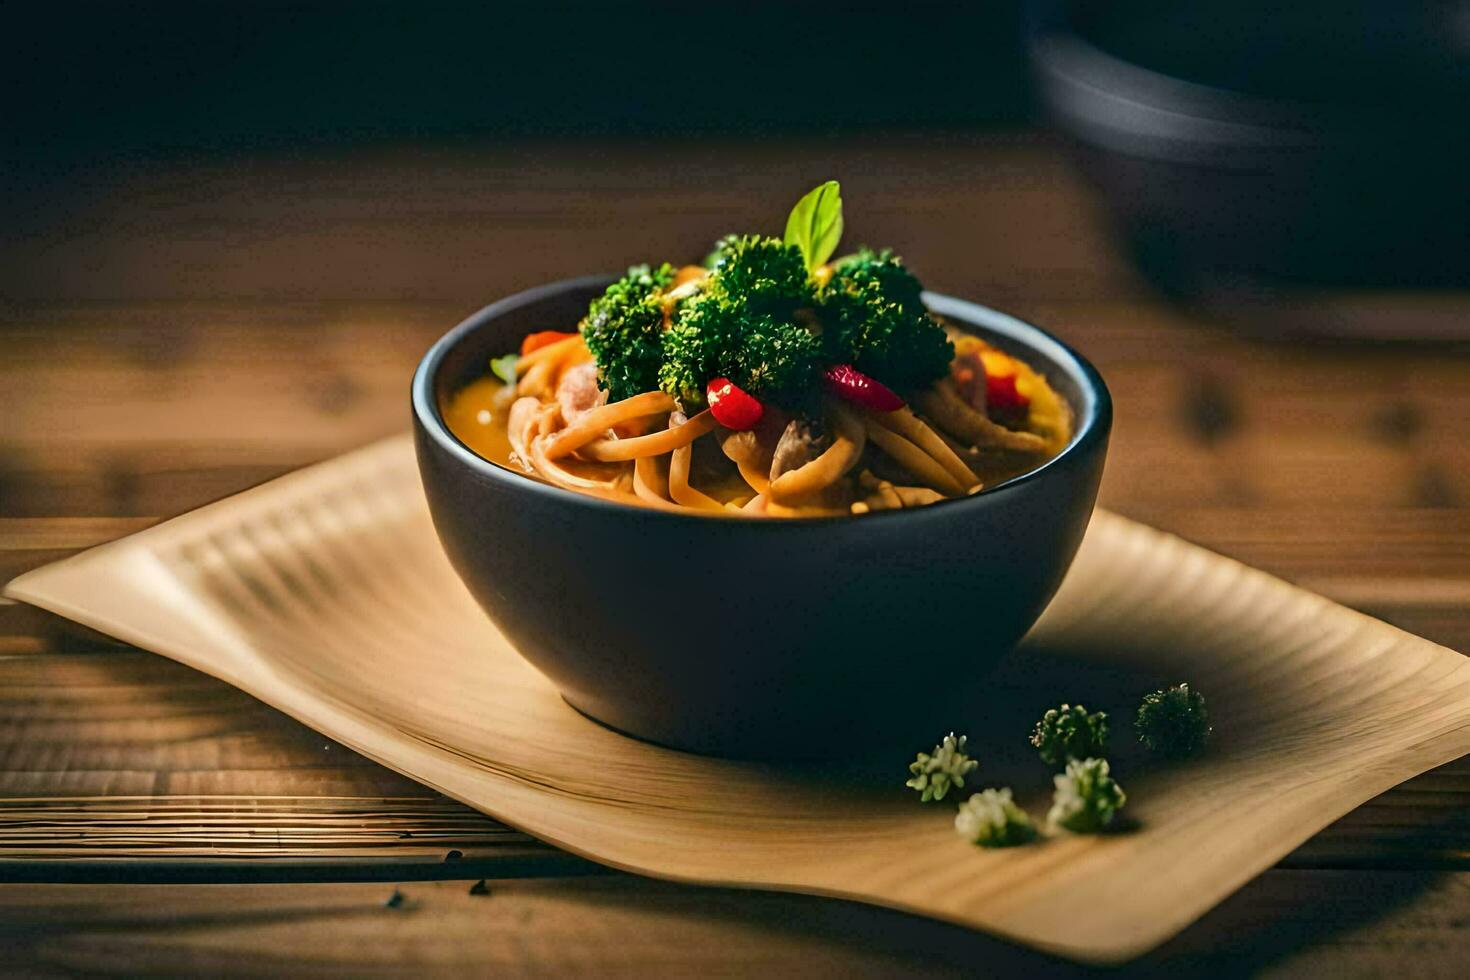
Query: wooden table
{"type": "Point", "coordinates": [174, 331]}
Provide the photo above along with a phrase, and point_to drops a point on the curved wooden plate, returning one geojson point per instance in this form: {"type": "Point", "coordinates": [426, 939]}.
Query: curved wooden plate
{"type": "Point", "coordinates": [326, 595]}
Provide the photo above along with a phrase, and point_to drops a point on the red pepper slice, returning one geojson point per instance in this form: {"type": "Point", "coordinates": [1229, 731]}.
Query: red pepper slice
{"type": "Point", "coordinates": [1001, 394]}
{"type": "Point", "coordinates": [543, 338]}
{"type": "Point", "coordinates": [996, 371]}
{"type": "Point", "coordinates": [732, 406]}
{"type": "Point", "coordinates": [852, 384]}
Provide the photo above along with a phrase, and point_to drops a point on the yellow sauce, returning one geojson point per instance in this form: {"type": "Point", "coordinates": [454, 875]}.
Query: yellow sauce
{"type": "Point", "coordinates": [476, 416]}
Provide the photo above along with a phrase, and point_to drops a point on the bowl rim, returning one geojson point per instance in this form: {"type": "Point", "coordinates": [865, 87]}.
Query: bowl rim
{"type": "Point", "coordinates": [1095, 416]}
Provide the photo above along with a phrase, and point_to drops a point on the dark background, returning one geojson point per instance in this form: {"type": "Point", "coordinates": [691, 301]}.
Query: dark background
{"type": "Point", "coordinates": [131, 78]}
{"type": "Point", "coordinates": [1320, 143]}
{"type": "Point", "coordinates": [100, 79]}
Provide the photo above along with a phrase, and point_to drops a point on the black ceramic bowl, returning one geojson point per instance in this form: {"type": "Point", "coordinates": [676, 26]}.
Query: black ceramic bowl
{"type": "Point", "coordinates": [750, 636]}
{"type": "Point", "coordinates": [1249, 147]}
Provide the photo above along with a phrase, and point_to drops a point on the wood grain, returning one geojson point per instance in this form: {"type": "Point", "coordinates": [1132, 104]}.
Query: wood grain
{"type": "Point", "coordinates": [285, 591]}
{"type": "Point", "coordinates": [466, 223]}
{"type": "Point", "coordinates": [622, 927]}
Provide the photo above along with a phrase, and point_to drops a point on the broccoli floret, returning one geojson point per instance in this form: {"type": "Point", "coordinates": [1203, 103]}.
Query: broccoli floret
{"type": "Point", "coordinates": [1086, 797]}
{"type": "Point", "coordinates": [876, 321]}
{"type": "Point", "coordinates": [947, 766]}
{"type": "Point", "coordinates": [761, 270]}
{"type": "Point", "coordinates": [717, 336]}
{"type": "Point", "coordinates": [991, 818]}
{"type": "Point", "coordinates": [624, 331]}
{"type": "Point", "coordinates": [743, 325]}
{"type": "Point", "coordinates": [1174, 723]}
{"type": "Point", "coordinates": [1069, 732]}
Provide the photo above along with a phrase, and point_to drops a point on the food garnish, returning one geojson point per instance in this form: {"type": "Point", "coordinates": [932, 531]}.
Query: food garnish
{"type": "Point", "coordinates": [815, 224]}
{"type": "Point", "coordinates": [848, 382]}
{"type": "Point", "coordinates": [935, 772]}
{"type": "Point", "coordinates": [1174, 722]}
{"type": "Point", "coordinates": [825, 385]}
{"type": "Point", "coordinates": [1069, 732]}
{"type": "Point", "coordinates": [1086, 797]}
{"type": "Point", "coordinates": [732, 407]}
{"type": "Point", "coordinates": [990, 818]}
{"type": "Point", "coordinates": [504, 368]}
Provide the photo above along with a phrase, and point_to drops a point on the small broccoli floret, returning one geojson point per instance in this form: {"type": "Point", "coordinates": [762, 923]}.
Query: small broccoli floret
{"type": "Point", "coordinates": [743, 325]}
{"type": "Point", "coordinates": [1086, 797]}
{"type": "Point", "coordinates": [876, 321]}
{"type": "Point", "coordinates": [1069, 732]}
{"type": "Point", "coordinates": [689, 349]}
{"type": "Point", "coordinates": [935, 772]}
{"type": "Point", "coordinates": [1174, 722]}
{"type": "Point", "coordinates": [991, 818]}
{"type": "Point", "coordinates": [624, 331]}
{"type": "Point", "coordinates": [753, 268]}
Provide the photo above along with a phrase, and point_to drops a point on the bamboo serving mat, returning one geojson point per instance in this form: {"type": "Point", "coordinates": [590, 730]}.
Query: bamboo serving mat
{"type": "Point", "coordinates": [325, 594]}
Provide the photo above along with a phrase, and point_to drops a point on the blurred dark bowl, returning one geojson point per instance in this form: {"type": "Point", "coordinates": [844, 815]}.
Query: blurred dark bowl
{"type": "Point", "coordinates": [1244, 148]}
{"type": "Point", "coordinates": [749, 636]}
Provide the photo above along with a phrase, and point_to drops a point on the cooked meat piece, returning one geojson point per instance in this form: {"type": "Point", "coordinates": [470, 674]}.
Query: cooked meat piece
{"type": "Point", "coordinates": [577, 392]}
{"type": "Point", "coordinates": [752, 449]}
{"type": "Point", "coordinates": [968, 372]}
{"type": "Point", "coordinates": [741, 447]}
{"type": "Point", "coordinates": [801, 442]}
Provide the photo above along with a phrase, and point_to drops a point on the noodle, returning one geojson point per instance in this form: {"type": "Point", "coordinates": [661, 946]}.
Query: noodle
{"type": "Point", "coordinates": [914, 459]}
{"type": "Point", "coordinates": [640, 450]}
{"type": "Point", "coordinates": [679, 487]}
{"type": "Point", "coordinates": [536, 381]}
{"type": "Point", "coordinates": [945, 406]}
{"type": "Point", "coordinates": [566, 477]}
{"type": "Point", "coordinates": [523, 414]}
{"type": "Point", "coordinates": [759, 482]}
{"type": "Point", "coordinates": [551, 352]}
{"type": "Point", "coordinates": [592, 425]}
{"type": "Point", "coordinates": [904, 423]}
{"type": "Point", "coordinates": [649, 482]}
{"type": "Point", "coordinates": [655, 444]}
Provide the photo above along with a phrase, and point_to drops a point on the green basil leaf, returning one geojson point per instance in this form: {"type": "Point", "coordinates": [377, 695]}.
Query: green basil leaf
{"type": "Point", "coordinates": [505, 368]}
{"type": "Point", "coordinates": [815, 224]}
